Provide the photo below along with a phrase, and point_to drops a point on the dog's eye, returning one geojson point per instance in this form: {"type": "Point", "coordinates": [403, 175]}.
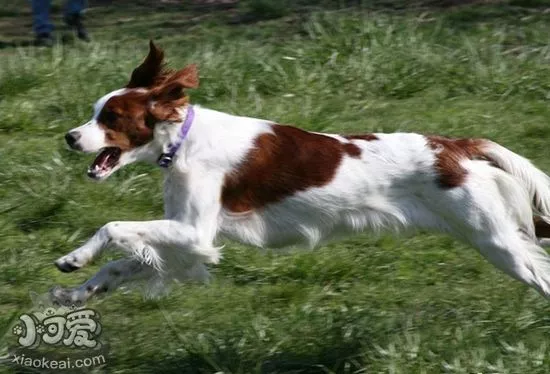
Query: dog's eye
{"type": "Point", "coordinates": [111, 116]}
{"type": "Point", "coordinates": [108, 117]}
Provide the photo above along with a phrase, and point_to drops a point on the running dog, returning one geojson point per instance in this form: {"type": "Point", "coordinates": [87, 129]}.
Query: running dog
{"type": "Point", "coordinates": [271, 185]}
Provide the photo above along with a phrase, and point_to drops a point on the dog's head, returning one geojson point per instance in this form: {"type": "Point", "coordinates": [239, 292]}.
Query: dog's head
{"type": "Point", "coordinates": [127, 122]}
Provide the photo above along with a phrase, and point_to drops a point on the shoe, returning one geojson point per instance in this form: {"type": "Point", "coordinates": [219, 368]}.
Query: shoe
{"type": "Point", "coordinates": [75, 21]}
{"type": "Point", "coordinates": [44, 40]}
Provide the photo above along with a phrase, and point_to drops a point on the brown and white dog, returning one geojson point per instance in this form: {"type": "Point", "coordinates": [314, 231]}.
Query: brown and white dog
{"type": "Point", "coordinates": [270, 185]}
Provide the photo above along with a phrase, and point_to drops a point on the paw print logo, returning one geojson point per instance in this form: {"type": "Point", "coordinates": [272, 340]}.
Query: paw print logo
{"type": "Point", "coordinates": [17, 330]}
{"type": "Point", "coordinates": [40, 329]}
{"type": "Point", "coordinates": [49, 312]}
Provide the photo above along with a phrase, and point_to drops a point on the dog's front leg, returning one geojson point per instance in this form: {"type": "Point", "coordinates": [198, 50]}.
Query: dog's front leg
{"type": "Point", "coordinates": [108, 278]}
{"type": "Point", "coordinates": [141, 240]}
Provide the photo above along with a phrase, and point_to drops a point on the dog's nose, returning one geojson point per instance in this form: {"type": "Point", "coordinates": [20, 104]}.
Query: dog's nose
{"type": "Point", "coordinates": [71, 138]}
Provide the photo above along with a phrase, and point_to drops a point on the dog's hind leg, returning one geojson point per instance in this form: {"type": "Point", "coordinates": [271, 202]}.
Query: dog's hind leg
{"type": "Point", "coordinates": [518, 256]}
{"type": "Point", "coordinates": [496, 218]}
{"type": "Point", "coordinates": [120, 272]}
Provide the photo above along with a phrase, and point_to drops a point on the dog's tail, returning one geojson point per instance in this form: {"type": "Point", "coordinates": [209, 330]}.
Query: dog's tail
{"type": "Point", "coordinates": [535, 181]}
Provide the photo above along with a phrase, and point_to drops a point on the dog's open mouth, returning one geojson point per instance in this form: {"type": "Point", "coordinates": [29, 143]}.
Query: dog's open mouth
{"type": "Point", "coordinates": [104, 162]}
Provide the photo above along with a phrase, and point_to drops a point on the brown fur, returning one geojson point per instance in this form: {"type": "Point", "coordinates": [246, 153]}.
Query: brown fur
{"type": "Point", "coordinates": [125, 120]}
{"type": "Point", "coordinates": [151, 72]}
{"type": "Point", "coordinates": [449, 153]}
{"type": "Point", "coordinates": [283, 163]}
{"type": "Point", "coordinates": [129, 119]}
{"type": "Point", "coordinates": [352, 150]}
{"type": "Point", "coordinates": [170, 95]}
{"type": "Point", "coordinates": [367, 137]}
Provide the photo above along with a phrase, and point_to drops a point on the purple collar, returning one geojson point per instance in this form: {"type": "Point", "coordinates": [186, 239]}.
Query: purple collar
{"type": "Point", "coordinates": [165, 159]}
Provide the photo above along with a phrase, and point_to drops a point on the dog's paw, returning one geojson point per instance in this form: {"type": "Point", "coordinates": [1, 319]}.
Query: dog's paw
{"type": "Point", "coordinates": [67, 296]}
{"type": "Point", "coordinates": [68, 264]}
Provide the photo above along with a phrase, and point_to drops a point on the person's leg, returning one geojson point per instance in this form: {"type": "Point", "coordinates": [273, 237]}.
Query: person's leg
{"type": "Point", "coordinates": [75, 7]}
{"type": "Point", "coordinates": [73, 17]}
{"type": "Point", "coordinates": [41, 18]}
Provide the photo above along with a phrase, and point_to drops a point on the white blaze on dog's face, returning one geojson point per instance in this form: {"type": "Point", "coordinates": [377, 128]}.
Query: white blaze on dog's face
{"type": "Point", "coordinates": [90, 137]}
{"type": "Point", "coordinates": [122, 128]}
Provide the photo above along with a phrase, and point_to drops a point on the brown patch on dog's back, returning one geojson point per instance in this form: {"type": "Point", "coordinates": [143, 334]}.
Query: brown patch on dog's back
{"type": "Point", "coordinates": [282, 163]}
{"type": "Point", "coordinates": [352, 150]}
{"type": "Point", "coordinates": [367, 137]}
{"type": "Point", "coordinates": [449, 153]}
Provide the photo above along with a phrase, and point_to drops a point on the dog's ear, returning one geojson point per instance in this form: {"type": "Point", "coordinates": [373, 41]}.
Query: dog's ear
{"type": "Point", "coordinates": [188, 77]}
{"type": "Point", "coordinates": [167, 98]}
{"type": "Point", "coordinates": [146, 74]}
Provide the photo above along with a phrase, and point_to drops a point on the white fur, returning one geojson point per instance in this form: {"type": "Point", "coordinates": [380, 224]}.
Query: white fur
{"type": "Point", "coordinates": [92, 137]}
{"type": "Point", "coordinates": [392, 186]}
{"type": "Point", "coordinates": [534, 180]}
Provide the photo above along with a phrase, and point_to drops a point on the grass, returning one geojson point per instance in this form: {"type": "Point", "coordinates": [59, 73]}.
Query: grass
{"type": "Point", "coordinates": [424, 304]}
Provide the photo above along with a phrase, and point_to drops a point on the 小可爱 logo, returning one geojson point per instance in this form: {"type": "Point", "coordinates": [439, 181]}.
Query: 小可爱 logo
{"type": "Point", "coordinates": [54, 336]}
{"type": "Point", "coordinates": [71, 327]}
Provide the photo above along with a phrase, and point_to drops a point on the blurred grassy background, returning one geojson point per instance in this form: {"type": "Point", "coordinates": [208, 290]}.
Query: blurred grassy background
{"type": "Point", "coordinates": [425, 304]}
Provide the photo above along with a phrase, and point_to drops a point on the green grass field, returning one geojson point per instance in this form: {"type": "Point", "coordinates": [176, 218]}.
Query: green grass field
{"type": "Point", "coordinates": [424, 304]}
